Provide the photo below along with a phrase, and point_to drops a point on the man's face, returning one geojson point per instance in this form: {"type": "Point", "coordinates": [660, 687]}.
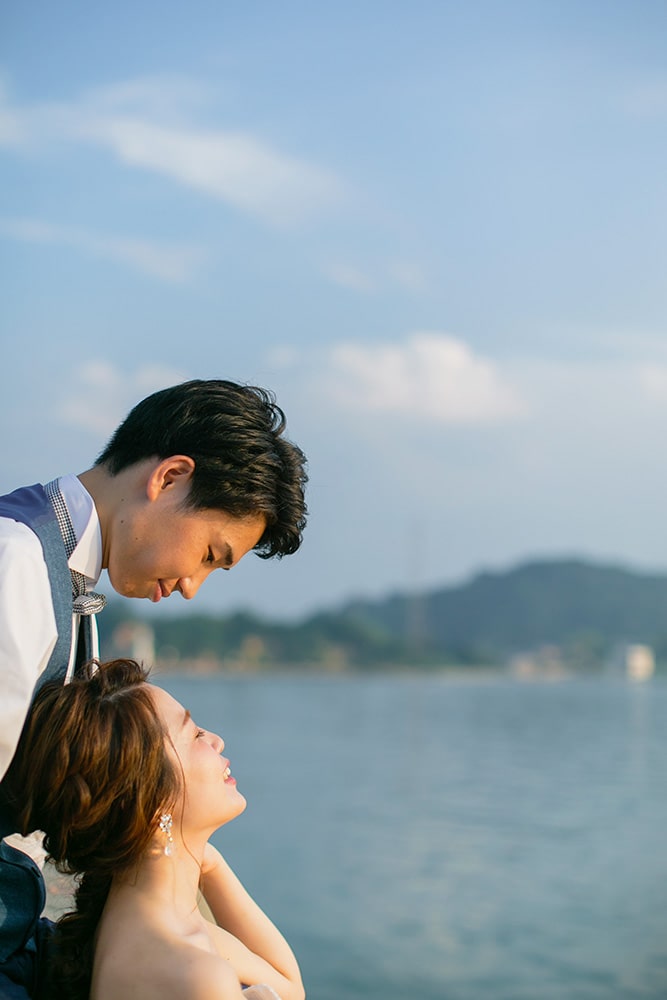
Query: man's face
{"type": "Point", "coordinates": [159, 546]}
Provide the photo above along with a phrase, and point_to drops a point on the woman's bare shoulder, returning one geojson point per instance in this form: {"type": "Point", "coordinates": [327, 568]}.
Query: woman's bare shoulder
{"type": "Point", "coordinates": [174, 973]}
{"type": "Point", "coordinates": [210, 977]}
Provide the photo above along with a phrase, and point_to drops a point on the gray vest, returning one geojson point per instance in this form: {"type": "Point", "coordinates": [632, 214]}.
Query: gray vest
{"type": "Point", "coordinates": [22, 892]}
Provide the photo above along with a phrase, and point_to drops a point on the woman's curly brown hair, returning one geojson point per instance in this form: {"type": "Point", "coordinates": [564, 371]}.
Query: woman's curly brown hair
{"type": "Point", "coordinates": [93, 772]}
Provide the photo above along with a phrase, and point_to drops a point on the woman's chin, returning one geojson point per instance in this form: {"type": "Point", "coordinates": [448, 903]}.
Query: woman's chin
{"type": "Point", "coordinates": [231, 811]}
{"type": "Point", "coordinates": [239, 806]}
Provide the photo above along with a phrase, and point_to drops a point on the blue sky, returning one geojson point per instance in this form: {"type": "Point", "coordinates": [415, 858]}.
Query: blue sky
{"type": "Point", "coordinates": [436, 230]}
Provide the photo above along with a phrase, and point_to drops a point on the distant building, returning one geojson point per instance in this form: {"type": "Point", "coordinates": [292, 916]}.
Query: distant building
{"type": "Point", "coordinates": [633, 660]}
{"type": "Point", "coordinates": [639, 662]}
{"type": "Point", "coordinates": [136, 641]}
{"type": "Point", "coordinates": [543, 663]}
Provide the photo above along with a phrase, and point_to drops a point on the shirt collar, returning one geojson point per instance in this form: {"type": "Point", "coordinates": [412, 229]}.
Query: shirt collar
{"type": "Point", "coordinates": [87, 555]}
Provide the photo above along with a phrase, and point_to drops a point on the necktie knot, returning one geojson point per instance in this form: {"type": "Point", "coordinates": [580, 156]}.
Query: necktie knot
{"type": "Point", "coordinates": [82, 603]}
{"type": "Point", "coordinates": [89, 604]}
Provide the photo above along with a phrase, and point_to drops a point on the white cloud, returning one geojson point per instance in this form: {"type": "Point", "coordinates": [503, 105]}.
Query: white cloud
{"type": "Point", "coordinates": [434, 379]}
{"type": "Point", "coordinates": [349, 277]}
{"type": "Point", "coordinates": [101, 395]}
{"type": "Point", "coordinates": [11, 131]}
{"type": "Point", "coordinates": [172, 263]}
{"type": "Point", "coordinates": [134, 121]}
{"type": "Point", "coordinates": [652, 380]}
{"type": "Point", "coordinates": [282, 357]}
{"type": "Point", "coordinates": [406, 274]}
{"type": "Point", "coordinates": [231, 166]}
{"type": "Point", "coordinates": [429, 376]}
{"type": "Point", "coordinates": [591, 391]}
{"type": "Point", "coordinates": [164, 96]}
{"type": "Point", "coordinates": [14, 124]}
{"type": "Point", "coordinates": [647, 98]}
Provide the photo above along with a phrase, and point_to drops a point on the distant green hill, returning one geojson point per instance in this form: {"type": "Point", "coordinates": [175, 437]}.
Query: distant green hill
{"type": "Point", "coordinates": [584, 610]}
{"type": "Point", "coordinates": [562, 603]}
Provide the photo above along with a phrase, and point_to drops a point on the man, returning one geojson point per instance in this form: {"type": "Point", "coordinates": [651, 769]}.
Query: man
{"type": "Point", "coordinates": [194, 478]}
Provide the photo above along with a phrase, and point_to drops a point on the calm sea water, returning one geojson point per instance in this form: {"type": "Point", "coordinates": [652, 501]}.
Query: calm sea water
{"type": "Point", "coordinates": [437, 839]}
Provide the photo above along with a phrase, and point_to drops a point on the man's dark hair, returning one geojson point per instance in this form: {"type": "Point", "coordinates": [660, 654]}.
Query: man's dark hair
{"type": "Point", "coordinates": [243, 464]}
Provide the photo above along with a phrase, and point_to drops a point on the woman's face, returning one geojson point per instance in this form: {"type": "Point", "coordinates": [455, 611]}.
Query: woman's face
{"type": "Point", "coordinates": [211, 797]}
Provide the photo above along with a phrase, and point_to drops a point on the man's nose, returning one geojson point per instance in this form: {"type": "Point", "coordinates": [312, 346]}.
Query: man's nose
{"type": "Point", "coordinates": [189, 585]}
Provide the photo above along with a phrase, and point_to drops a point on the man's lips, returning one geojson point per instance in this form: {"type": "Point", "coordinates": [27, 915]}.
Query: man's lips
{"type": "Point", "coordinates": [161, 590]}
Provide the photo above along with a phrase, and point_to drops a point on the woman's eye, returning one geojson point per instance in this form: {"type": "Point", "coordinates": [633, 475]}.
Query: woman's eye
{"type": "Point", "coordinates": [200, 732]}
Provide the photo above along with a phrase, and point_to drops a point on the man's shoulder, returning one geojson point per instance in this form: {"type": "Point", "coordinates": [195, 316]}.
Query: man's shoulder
{"type": "Point", "coordinates": [25, 502]}
{"type": "Point", "coordinates": [17, 539]}
{"type": "Point", "coordinates": [24, 574]}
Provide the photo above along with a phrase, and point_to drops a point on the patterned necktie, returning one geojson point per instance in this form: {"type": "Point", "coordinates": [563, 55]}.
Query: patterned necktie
{"type": "Point", "coordinates": [83, 603]}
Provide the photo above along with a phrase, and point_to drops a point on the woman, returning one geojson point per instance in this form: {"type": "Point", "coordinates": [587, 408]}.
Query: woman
{"type": "Point", "coordinates": [128, 790]}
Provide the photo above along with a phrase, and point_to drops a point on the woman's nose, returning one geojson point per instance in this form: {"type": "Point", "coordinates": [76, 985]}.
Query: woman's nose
{"type": "Point", "coordinates": [217, 742]}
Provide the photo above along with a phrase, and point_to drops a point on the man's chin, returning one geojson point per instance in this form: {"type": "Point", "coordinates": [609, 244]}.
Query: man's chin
{"type": "Point", "coordinates": [128, 588]}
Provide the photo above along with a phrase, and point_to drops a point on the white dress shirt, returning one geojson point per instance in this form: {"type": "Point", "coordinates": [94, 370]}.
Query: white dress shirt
{"type": "Point", "coordinates": [27, 621]}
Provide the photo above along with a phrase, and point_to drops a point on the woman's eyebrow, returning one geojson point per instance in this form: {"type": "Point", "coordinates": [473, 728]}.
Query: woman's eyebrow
{"type": "Point", "coordinates": [186, 718]}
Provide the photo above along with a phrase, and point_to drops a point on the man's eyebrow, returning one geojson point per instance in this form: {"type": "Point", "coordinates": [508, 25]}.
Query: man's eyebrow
{"type": "Point", "coordinates": [227, 557]}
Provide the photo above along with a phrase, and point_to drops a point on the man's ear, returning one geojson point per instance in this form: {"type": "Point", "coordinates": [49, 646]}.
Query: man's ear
{"type": "Point", "coordinates": [173, 474]}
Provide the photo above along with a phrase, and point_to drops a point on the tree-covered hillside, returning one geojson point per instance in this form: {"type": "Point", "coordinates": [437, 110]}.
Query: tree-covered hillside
{"type": "Point", "coordinates": [535, 604]}
{"type": "Point", "coordinates": [583, 611]}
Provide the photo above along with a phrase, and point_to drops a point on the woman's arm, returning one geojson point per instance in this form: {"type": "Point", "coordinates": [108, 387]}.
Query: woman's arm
{"type": "Point", "coordinates": [268, 958]}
